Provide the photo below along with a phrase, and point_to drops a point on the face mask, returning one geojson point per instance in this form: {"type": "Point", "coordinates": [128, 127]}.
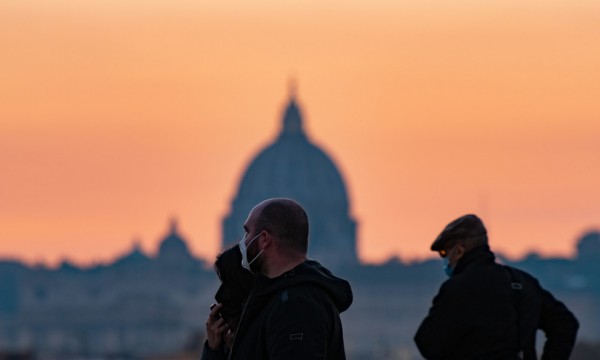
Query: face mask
{"type": "Point", "coordinates": [447, 267]}
{"type": "Point", "coordinates": [244, 251]}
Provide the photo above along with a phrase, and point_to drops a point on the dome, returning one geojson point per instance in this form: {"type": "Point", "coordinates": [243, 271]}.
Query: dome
{"type": "Point", "coordinates": [173, 247]}
{"type": "Point", "coordinates": [135, 257]}
{"type": "Point", "coordinates": [588, 246]}
{"type": "Point", "coordinates": [294, 167]}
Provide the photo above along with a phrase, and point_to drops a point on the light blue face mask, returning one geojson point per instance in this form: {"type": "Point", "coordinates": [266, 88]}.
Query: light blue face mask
{"type": "Point", "coordinates": [446, 259]}
{"type": "Point", "coordinates": [447, 268]}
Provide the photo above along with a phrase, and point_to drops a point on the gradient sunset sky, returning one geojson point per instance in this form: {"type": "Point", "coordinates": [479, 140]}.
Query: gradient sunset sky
{"type": "Point", "coordinates": [117, 115]}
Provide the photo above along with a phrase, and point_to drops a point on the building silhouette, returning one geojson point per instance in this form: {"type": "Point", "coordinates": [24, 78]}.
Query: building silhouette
{"type": "Point", "coordinates": [292, 166]}
{"type": "Point", "coordinates": [588, 248]}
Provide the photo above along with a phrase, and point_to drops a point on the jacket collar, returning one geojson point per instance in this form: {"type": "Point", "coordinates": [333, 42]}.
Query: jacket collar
{"type": "Point", "coordinates": [479, 255]}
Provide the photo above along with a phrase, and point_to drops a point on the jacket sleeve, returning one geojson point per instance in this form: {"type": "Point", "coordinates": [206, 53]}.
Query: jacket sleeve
{"type": "Point", "coordinates": [560, 327]}
{"type": "Point", "coordinates": [440, 332]}
{"type": "Point", "coordinates": [297, 328]}
{"type": "Point", "coordinates": [210, 354]}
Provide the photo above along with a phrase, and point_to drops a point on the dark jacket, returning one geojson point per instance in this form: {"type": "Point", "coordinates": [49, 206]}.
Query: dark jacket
{"type": "Point", "coordinates": [475, 316]}
{"type": "Point", "coordinates": [294, 316]}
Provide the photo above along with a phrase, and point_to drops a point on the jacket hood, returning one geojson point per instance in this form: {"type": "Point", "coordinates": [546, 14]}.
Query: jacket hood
{"type": "Point", "coordinates": [310, 272]}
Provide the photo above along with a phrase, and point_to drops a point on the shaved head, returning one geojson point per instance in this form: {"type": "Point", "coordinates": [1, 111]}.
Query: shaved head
{"type": "Point", "coordinates": [287, 220]}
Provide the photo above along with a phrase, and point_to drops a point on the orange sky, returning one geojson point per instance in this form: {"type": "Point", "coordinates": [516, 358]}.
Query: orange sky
{"type": "Point", "coordinates": [117, 115]}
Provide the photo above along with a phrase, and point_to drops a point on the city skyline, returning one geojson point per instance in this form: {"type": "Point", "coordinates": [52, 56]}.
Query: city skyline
{"type": "Point", "coordinates": [134, 249]}
{"type": "Point", "coordinates": [118, 117]}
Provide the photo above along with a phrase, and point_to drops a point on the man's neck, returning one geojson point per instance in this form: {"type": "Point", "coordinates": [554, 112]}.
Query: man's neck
{"type": "Point", "coordinates": [282, 267]}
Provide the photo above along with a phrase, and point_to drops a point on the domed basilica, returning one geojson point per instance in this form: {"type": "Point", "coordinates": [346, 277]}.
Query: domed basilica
{"type": "Point", "coordinates": [292, 166]}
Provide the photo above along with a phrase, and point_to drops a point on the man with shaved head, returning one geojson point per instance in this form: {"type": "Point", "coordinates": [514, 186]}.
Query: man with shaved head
{"type": "Point", "coordinates": [293, 309]}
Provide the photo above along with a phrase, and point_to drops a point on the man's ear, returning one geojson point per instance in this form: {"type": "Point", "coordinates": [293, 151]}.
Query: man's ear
{"type": "Point", "coordinates": [460, 251]}
{"type": "Point", "coordinates": [266, 240]}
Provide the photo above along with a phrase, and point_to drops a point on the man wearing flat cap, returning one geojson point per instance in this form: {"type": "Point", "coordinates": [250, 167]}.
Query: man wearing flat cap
{"type": "Point", "coordinates": [486, 310]}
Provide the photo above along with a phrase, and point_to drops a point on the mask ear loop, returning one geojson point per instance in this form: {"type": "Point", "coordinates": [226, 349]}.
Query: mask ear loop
{"type": "Point", "coordinates": [259, 253]}
{"type": "Point", "coordinates": [256, 257]}
{"type": "Point", "coordinates": [244, 250]}
{"type": "Point", "coordinates": [251, 241]}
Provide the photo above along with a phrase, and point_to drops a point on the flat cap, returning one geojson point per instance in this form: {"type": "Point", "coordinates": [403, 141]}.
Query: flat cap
{"type": "Point", "coordinates": [467, 226]}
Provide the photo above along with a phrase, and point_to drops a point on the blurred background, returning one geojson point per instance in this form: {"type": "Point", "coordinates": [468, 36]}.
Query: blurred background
{"type": "Point", "coordinates": [136, 136]}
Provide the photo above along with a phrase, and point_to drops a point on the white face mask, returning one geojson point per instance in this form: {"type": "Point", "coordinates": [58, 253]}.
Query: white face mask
{"type": "Point", "coordinates": [244, 251]}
